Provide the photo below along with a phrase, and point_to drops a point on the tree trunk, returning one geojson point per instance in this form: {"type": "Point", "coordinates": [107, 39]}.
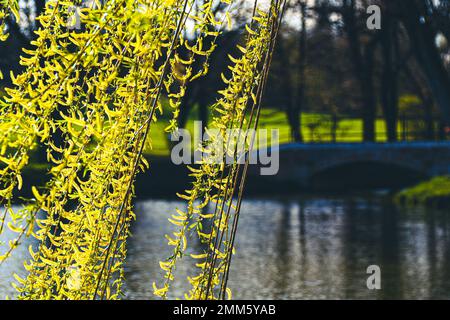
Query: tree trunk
{"type": "Point", "coordinates": [292, 106]}
{"type": "Point", "coordinates": [422, 36]}
{"type": "Point", "coordinates": [389, 79]}
{"type": "Point", "coordinates": [363, 61]}
{"type": "Point", "coordinates": [297, 133]}
{"type": "Point", "coordinates": [369, 110]}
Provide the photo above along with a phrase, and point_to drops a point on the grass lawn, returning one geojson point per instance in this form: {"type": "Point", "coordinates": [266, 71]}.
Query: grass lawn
{"type": "Point", "coordinates": [316, 128]}
{"type": "Point", "coordinates": [433, 192]}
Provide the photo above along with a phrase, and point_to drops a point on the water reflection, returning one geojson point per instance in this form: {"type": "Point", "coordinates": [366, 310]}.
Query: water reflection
{"type": "Point", "coordinates": [306, 247]}
{"type": "Point", "coordinates": [314, 248]}
{"type": "Point", "coordinates": [14, 264]}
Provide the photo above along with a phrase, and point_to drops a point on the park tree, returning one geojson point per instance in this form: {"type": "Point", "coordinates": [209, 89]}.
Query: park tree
{"type": "Point", "coordinates": [403, 48]}
{"type": "Point", "coordinates": [422, 34]}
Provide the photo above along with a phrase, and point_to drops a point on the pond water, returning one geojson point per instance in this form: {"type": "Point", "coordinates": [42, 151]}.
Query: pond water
{"type": "Point", "coordinates": [303, 247]}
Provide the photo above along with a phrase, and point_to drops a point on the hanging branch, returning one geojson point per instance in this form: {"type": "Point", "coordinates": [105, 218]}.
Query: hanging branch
{"type": "Point", "coordinates": [216, 182]}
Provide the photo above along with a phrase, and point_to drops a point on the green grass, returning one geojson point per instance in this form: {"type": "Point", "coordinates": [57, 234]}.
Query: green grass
{"type": "Point", "coordinates": [315, 128]}
{"type": "Point", "coordinates": [433, 192]}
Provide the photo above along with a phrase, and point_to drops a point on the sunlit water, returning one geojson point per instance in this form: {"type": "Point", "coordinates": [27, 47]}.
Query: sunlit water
{"type": "Point", "coordinates": [306, 247]}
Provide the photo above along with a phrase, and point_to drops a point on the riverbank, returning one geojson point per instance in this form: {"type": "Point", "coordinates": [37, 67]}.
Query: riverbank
{"type": "Point", "coordinates": [433, 193]}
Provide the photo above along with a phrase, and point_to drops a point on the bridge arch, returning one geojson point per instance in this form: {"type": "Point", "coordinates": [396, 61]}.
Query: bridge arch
{"type": "Point", "coordinates": [305, 165]}
{"type": "Point", "coordinates": [365, 173]}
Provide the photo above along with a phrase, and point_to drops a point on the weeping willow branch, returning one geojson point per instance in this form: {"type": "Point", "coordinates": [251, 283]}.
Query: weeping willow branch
{"type": "Point", "coordinates": [217, 182]}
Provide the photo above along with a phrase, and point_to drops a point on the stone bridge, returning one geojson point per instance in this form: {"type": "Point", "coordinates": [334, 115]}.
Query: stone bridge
{"type": "Point", "coordinates": [380, 164]}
